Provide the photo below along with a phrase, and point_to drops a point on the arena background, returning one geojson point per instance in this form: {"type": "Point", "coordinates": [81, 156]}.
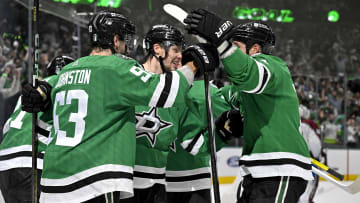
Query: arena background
{"type": "Point", "coordinates": [319, 41]}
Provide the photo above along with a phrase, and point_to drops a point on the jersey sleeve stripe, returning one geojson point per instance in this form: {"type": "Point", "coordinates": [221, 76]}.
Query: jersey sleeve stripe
{"type": "Point", "coordinates": [193, 146]}
{"type": "Point", "coordinates": [166, 90]}
{"type": "Point", "coordinates": [159, 88]}
{"type": "Point", "coordinates": [174, 89]}
{"type": "Point", "coordinates": [264, 76]}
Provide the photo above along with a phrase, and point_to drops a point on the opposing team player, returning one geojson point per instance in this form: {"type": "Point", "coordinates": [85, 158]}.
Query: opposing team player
{"type": "Point", "coordinates": [15, 149]}
{"type": "Point", "coordinates": [157, 128]}
{"type": "Point", "coordinates": [311, 132]}
{"type": "Point", "coordinates": [92, 105]}
{"type": "Point", "coordinates": [275, 160]}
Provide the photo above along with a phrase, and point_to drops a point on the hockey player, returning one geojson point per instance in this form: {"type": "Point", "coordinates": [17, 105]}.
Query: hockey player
{"type": "Point", "coordinates": [92, 105]}
{"type": "Point", "coordinates": [15, 149]}
{"type": "Point", "coordinates": [275, 160]}
{"type": "Point", "coordinates": [188, 175]}
{"type": "Point", "coordinates": [157, 128]}
{"type": "Point", "coordinates": [310, 130]}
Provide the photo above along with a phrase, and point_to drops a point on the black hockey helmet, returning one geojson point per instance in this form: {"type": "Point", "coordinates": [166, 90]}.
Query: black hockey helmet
{"type": "Point", "coordinates": [104, 25]}
{"type": "Point", "coordinates": [164, 34]}
{"type": "Point", "coordinates": [57, 63]}
{"type": "Point", "coordinates": [255, 32]}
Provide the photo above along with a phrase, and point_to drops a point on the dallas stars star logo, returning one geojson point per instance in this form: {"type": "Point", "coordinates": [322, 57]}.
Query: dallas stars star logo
{"type": "Point", "coordinates": [149, 124]}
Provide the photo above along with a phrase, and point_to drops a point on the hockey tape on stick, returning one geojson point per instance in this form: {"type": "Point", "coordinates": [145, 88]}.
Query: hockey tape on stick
{"type": "Point", "coordinates": [179, 14]}
{"type": "Point", "coordinates": [327, 169]}
{"type": "Point", "coordinates": [351, 188]}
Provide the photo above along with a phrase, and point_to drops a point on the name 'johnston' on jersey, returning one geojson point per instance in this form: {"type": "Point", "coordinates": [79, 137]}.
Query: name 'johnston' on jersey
{"type": "Point", "coordinates": [74, 77]}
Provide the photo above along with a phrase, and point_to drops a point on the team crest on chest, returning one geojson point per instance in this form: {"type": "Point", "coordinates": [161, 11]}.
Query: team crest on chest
{"type": "Point", "coordinates": [149, 124]}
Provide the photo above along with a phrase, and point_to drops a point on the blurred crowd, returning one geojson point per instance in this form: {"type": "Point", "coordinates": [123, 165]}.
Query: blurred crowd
{"type": "Point", "coordinates": [333, 107]}
{"type": "Point", "coordinates": [319, 63]}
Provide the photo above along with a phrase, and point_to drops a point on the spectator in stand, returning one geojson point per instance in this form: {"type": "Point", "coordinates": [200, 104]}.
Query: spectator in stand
{"type": "Point", "coordinates": [330, 129]}
{"type": "Point", "coordinates": [9, 81]}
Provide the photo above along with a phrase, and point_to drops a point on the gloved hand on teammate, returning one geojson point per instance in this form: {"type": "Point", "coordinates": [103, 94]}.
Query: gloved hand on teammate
{"type": "Point", "coordinates": [229, 124]}
{"type": "Point", "coordinates": [211, 27]}
{"type": "Point", "coordinates": [34, 100]}
{"type": "Point", "coordinates": [204, 56]}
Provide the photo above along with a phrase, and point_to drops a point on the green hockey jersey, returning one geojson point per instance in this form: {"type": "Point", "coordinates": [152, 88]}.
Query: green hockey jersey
{"type": "Point", "coordinates": [16, 146]}
{"type": "Point", "coordinates": [156, 129]}
{"type": "Point", "coordinates": [184, 171]}
{"type": "Point", "coordinates": [93, 151]}
{"type": "Point", "coordinates": [273, 145]}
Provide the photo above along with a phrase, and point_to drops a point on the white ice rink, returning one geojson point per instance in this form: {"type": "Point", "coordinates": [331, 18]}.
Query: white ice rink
{"type": "Point", "coordinates": [327, 193]}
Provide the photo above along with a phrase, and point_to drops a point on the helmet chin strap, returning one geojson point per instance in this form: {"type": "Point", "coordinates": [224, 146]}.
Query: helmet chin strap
{"type": "Point", "coordinates": [161, 64]}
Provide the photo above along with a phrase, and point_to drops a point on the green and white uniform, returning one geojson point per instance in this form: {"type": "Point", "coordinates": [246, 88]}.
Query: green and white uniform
{"type": "Point", "coordinates": [156, 129]}
{"type": "Point", "coordinates": [184, 171]}
{"type": "Point", "coordinates": [16, 147]}
{"type": "Point", "coordinates": [273, 145]}
{"type": "Point", "coordinates": [93, 151]}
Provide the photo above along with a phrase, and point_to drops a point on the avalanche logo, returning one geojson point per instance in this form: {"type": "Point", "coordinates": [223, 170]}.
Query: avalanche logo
{"type": "Point", "coordinates": [149, 124]}
{"type": "Point", "coordinates": [233, 161]}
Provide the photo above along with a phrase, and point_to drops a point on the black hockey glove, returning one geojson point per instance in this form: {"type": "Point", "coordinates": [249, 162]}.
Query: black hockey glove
{"type": "Point", "coordinates": [209, 26]}
{"type": "Point", "coordinates": [34, 100]}
{"type": "Point", "coordinates": [229, 124]}
{"type": "Point", "coordinates": [205, 57]}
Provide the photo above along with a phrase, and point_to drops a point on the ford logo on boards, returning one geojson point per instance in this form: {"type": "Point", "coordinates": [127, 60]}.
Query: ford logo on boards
{"type": "Point", "coordinates": [233, 161]}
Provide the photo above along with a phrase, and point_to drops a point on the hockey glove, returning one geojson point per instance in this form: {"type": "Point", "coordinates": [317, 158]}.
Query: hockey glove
{"type": "Point", "coordinates": [205, 57]}
{"type": "Point", "coordinates": [229, 124]}
{"type": "Point", "coordinates": [209, 26]}
{"type": "Point", "coordinates": [34, 100]}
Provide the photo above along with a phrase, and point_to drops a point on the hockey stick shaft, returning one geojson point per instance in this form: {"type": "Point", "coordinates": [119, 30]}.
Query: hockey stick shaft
{"type": "Point", "coordinates": [327, 169]}
{"type": "Point", "coordinates": [351, 188]}
{"type": "Point", "coordinates": [34, 117]}
{"type": "Point", "coordinates": [212, 143]}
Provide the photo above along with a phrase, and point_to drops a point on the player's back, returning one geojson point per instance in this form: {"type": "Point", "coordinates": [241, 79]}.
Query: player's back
{"type": "Point", "coordinates": [94, 130]}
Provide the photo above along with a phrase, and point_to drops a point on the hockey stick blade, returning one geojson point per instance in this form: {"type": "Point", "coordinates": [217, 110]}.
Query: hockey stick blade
{"type": "Point", "coordinates": [351, 188]}
{"type": "Point", "coordinates": [179, 14]}
{"type": "Point", "coordinates": [176, 12]}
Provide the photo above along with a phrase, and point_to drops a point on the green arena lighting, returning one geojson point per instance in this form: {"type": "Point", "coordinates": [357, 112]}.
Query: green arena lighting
{"type": "Point", "coordinates": [101, 3]}
{"type": "Point", "coordinates": [333, 16]}
{"type": "Point", "coordinates": [243, 13]}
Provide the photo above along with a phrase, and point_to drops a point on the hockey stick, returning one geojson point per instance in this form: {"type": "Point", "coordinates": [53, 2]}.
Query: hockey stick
{"type": "Point", "coordinates": [180, 14]}
{"type": "Point", "coordinates": [351, 188]}
{"type": "Point", "coordinates": [34, 117]}
{"type": "Point", "coordinates": [327, 169]}
{"type": "Point", "coordinates": [212, 144]}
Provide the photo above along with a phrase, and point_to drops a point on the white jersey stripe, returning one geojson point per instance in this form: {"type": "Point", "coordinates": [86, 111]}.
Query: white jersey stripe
{"type": "Point", "coordinates": [187, 172]}
{"type": "Point", "coordinates": [188, 186]}
{"type": "Point", "coordinates": [158, 90]}
{"type": "Point", "coordinates": [91, 191]}
{"type": "Point", "coordinates": [276, 170]}
{"type": "Point", "coordinates": [148, 169]}
{"type": "Point", "coordinates": [84, 174]}
{"type": "Point", "coordinates": [275, 155]}
{"type": "Point", "coordinates": [174, 89]}
{"type": "Point", "coordinates": [16, 149]}
{"type": "Point", "coordinates": [19, 162]}
{"type": "Point", "coordinates": [197, 145]}
{"type": "Point", "coordinates": [261, 68]}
